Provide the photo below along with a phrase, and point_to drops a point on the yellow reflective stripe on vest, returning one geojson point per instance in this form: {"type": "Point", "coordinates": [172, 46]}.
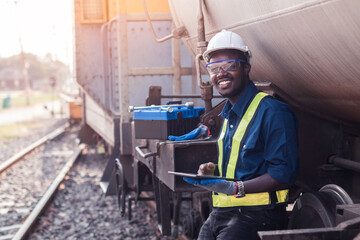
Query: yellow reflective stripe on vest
{"type": "Point", "coordinates": [282, 195]}
{"type": "Point", "coordinates": [220, 145]}
{"type": "Point", "coordinates": [250, 199]}
{"type": "Point", "coordinates": [239, 133]}
{"type": "Point", "coordinates": [253, 199]}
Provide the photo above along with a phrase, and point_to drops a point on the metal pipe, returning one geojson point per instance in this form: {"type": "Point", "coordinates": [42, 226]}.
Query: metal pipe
{"type": "Point", "coordinates": [105, 61]}
{"type": "Point", "coordinates": [176, 62]}
{"type": "Point", "coordinates": [345, 163]}
{"type": "Point", "coordinates": [198, 70]}
{"type": "Point", "coordinates": [114, 109]}
{"type": "Point", "coordinates": [123, 64]}
{"type": "Point", "coordinates": [142, 154]}
{"type": "Point", "coordinates": [151, 26]}
{"type": "Point", "coordinates": [205, 87]}
{"type": "Point", "coordinates": [201, 44]}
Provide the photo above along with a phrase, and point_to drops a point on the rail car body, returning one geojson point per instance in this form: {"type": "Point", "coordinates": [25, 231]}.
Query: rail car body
{"type": "Point", "coordinates": [304, 53]}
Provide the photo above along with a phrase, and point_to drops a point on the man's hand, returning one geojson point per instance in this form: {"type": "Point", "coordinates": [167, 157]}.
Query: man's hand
{"type": "Point", "coordinates": [214, 185]}
{"type": "Point", "coordinates": [207, 169]}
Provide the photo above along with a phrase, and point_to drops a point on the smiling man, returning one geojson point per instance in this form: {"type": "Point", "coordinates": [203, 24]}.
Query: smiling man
{"type": "Point", "coordinates": [257, 145]}
{"type": "Point", "coordinates": [225, 76]}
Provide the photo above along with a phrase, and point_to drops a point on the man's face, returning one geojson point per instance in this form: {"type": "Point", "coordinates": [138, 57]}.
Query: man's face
{"type": "Point", "coordinates": [231, 83]}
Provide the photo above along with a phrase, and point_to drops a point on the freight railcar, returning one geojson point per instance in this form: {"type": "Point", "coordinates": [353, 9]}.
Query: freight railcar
{"type": "Point", "coordinates": [147, 54]}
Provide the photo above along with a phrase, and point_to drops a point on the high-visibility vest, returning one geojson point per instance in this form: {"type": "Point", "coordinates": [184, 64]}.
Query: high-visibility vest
{"type": "Point", "coordinates": [251, 199]}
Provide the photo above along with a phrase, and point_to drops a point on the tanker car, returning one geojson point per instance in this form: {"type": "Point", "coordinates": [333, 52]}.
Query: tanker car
{"type": "Point", "coordinates": [139, 66]}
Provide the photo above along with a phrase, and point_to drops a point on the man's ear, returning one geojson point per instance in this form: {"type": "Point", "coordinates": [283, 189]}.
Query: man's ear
{"type": "Point", "coordinates": [247, 68]}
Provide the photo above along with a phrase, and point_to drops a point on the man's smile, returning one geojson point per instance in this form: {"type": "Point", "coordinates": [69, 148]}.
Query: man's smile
{"type": "Point", "coordinates": [224, 82]}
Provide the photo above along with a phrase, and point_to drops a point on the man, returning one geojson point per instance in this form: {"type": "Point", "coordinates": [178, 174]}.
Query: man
{"type": "Point", "coordinates": [257, 145]}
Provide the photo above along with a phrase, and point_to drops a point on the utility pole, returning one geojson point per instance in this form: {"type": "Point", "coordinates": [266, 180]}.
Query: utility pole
{"type": "Point", "coordinates": [25, 65]}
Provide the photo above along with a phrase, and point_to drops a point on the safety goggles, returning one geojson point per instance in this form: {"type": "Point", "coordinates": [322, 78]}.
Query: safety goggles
{"type": "Point", "coordinates": [226, 65]}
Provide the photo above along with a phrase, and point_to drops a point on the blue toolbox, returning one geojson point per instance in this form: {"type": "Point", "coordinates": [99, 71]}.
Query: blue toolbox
{"type": "Point", "coordinates": [158, 122]}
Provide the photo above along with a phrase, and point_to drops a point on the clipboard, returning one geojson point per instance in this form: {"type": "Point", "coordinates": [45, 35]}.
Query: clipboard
{"type": "Point", "coordinates": [197, 176]}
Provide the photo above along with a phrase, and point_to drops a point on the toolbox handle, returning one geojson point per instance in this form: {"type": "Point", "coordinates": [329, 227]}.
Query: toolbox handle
{"type": "Point", "coordinates": [142, 154]}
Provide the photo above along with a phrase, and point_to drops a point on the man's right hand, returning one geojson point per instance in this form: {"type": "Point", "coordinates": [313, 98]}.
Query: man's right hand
{"type": "Point", "coordinates": [207, 169]}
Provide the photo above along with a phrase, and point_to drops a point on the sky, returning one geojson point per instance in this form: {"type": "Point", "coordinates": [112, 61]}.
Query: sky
{"type": "Point", "coordinates": [44, 26]}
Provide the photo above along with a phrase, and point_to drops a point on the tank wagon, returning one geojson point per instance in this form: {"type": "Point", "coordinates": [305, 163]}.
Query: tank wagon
{"type": "Point", "coordinates": [147, 54]}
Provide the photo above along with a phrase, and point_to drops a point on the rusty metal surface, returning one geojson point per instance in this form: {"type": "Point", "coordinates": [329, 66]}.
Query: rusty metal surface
{"type": "Point", "coordinates": [307, 48]}
{"type": "Point", "coordinates": [186, 158]}
{"type": "Point", "coordinates": [180, 157]}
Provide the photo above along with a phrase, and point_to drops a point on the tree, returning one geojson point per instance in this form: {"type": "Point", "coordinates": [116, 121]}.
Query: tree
{"type": "Point", "coordinates": [40, 70]}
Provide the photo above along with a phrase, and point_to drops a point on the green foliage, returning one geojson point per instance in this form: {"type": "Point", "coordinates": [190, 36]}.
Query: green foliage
{"type": "Point", "coordinates": [40, 69]}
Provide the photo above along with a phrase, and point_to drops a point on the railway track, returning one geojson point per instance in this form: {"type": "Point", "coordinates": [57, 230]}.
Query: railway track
{"type": "Point", "coordinates": [26, 227]}
{"type": "Point", "coordinates": [79, 209]}
{"type": "Point", "coordinates": [16, 157]}
{"type": "Point", "coordinates": [29, 179]}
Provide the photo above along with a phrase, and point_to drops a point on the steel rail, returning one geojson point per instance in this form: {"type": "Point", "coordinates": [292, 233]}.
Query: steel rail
{"type": "Point", "coordinates": [19, 155]}
{"type": "Point", "coordinates": [30, 221]}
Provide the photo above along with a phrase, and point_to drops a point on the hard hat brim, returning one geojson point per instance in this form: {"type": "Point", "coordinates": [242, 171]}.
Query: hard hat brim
{"type": "Point", "coordinates": [207, 54]}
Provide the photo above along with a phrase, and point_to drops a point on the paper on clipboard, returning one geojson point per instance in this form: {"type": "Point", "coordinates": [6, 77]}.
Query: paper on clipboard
{"type": "Point", "coordinates": [197, 176]}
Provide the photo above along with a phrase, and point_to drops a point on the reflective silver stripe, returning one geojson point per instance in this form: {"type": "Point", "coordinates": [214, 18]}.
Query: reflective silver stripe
{"type": "Point", "coordinates": [220, 145]}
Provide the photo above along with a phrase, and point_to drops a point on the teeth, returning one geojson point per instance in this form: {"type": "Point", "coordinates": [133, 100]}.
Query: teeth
{"type": "Point", "coordinates": [224, 82]}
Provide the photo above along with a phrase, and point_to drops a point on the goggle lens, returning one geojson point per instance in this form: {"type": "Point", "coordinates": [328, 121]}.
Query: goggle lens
{"type": "Point", "coordinates": [226, 65]}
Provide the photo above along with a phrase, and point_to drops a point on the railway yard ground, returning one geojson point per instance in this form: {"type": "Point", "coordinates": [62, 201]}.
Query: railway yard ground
{"type": "Point", "coordinates": [79, 210]}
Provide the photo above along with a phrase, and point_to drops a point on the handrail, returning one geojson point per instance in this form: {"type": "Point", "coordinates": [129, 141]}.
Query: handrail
{"type": "Point", "coordinates": [107, 66]}
{"type": "Point", "coordinates": [103, 34]}
{"type": "Point", "coordinates": [142, 154]}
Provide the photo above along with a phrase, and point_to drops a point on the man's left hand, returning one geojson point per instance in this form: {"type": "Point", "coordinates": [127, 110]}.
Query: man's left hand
{"type": "Point", "coordinates": [214, 185]}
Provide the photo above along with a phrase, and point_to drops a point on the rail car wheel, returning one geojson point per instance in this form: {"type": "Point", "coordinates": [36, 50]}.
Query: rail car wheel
{"type": "Point", "coordinates": [338, 195]}
{"type": "Point", "coordinates": [192, 224]}
{"type": "Point", "coordinates": [120, 186]}
{"type": "Point", "coordinates": [317, 210]}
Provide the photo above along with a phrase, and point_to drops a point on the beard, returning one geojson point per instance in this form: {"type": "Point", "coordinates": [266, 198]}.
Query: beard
{"type": "Point", "coordinates": [236, 92]}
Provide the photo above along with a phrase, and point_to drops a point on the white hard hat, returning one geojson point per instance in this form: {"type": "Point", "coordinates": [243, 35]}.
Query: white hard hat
{"type": "Point", "coordinates": [226, 40]}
